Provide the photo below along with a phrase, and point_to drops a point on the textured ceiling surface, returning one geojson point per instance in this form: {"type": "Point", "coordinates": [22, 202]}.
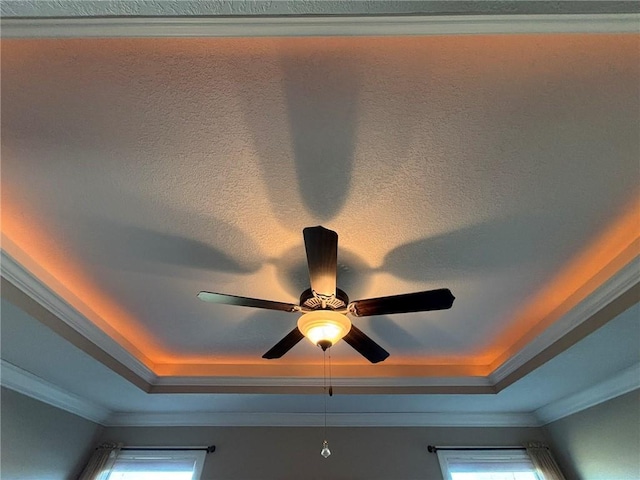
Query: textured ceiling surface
{"type": "Point", "coordinates": [138, 172]}
{"type": "Point", "coordinates": [85, 8]}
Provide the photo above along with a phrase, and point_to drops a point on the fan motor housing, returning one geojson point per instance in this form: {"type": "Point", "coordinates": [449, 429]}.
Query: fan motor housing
{"type": "Point", "coordinates": [309, 301]}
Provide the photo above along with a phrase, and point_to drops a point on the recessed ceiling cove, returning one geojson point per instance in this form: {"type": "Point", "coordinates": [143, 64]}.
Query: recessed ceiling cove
{"type": "Point", "coordinates": [138, 172]}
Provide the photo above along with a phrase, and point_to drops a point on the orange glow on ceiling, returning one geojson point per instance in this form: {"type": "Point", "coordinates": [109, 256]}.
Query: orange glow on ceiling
{"type": "Point", "coordinates": [597, 263]}
{"type": "Point", "coordinates": [26, 243]}
{"type": "Point", "coordinates": [380, 370]}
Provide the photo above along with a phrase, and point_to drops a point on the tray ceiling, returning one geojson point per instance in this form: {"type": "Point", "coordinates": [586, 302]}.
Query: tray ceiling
{"type": "Point", "coordinates": [136, 172]}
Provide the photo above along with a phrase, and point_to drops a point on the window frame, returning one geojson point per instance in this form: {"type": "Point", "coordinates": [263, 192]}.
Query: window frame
{"type": "Point", "coordinates": [197, 455]}
{"type": "Point", "coordinates": [517, 454]}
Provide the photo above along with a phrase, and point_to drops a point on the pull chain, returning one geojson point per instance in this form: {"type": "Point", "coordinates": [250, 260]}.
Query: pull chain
{"type": "Point", "coordinates": [330, 379]}
{"type": "Point", "coordinates": [325, 452]}
{"type": "Point", "coordinates": [324, 389]}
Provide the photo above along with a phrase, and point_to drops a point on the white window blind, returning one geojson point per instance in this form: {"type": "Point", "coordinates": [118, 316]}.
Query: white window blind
{"type": "Point", "coordinates": [158, 465]}
{"type": "Point", "coordinates": [486, 465]}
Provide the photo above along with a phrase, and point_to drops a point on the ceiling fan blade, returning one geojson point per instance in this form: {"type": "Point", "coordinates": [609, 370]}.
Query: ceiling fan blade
{"type": "Point", "coordinates": [321, 245]}
{"type": "Point", "coordinates": [365, 346]}
{"type": "Point", "coordinates": [283, 346]}
{"type": "Point", "coordinates": [440, 299]}
{"type": "Point", "coordinates": [246, 302]}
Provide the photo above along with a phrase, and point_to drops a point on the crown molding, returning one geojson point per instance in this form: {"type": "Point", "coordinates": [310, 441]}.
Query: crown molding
{"type": "Point", "coordinates": [318, 382]}
{"type": "Point", "coordinates": [302, 26]}
{"type": "Point", "coordinates": [312, 386]}
{"type": "Point", "coordinates": [237, 8]}
{"type": "Point", "coordinates": [613, 288]}
{"type": "Point", "coordinates": [26, 383]}
{"type": "Point", "coordinates": [624, 382]}
{"type": "Point", "coordinates": [265, 419]}
{"type": "Point", "coordinates": [31, 286]}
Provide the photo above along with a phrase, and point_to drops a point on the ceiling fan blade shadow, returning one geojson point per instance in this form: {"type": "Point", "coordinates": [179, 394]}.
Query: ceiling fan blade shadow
{"type": "Point", "coordinates": [321, 91]}
{"type": "Point", "coordinates": [183, 251]}
{"type": "Point", "coordinates": [222, 298]}
{"type": "Point", "coordinates": [479, 249]}
{"type": "Point", "coordinates": [440, 299]}
{"type": "Point", "coordinates": [135, 248]}
{"type": "Point", "coordinates": [321, 245]}
{"type": "Point", "coordinates": [365, 346]}
{"type": "Point", "coordinates": [395, 335]}
{"type": "Point", "coordinates": [289, 341]}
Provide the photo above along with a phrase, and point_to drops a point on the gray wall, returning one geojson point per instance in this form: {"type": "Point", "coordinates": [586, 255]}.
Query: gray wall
{"type": "Point", "coordinates": [41, 442]}
{"type": "Point", "coordinates": [245, 453]}
{"type": "Point", "coordinates": [600, 443]}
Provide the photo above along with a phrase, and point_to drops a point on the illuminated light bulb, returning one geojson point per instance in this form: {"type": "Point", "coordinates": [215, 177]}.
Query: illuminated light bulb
{"type": "Point", "coordinates": [325, 452]}
{"type": "Point", "coordinates": [324, 327]}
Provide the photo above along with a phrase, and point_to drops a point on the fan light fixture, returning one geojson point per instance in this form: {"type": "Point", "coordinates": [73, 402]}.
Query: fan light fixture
{"type": "Point", "coordinates": [324, 305]}
{"type": "Point", "coordinates": [324, 327]}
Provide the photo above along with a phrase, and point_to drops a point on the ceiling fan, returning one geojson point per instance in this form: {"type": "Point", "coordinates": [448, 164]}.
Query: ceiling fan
{"type": "Point", "coordinates": [324, 306]}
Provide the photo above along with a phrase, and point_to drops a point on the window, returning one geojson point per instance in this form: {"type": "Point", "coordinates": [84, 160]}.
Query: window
{"type": "Point", "coordinates": [486, 465]}
{"type": "Point", "coordinates": [158, 465]}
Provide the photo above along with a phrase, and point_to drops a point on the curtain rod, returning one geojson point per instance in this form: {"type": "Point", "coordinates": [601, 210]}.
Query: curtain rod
{"type": "Point", "coordinates": [209, 449]}
{"type": "Point", "coordinates": [434, 449]}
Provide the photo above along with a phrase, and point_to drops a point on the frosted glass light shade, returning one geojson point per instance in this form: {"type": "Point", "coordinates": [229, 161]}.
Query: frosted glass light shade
{"type": "Point", "coordinates": [324, 326]}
